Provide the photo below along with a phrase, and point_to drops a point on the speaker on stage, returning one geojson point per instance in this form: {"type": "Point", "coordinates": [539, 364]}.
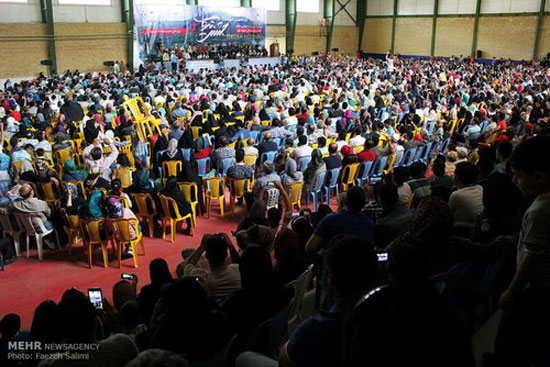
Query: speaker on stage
{"type": "Point", "coordinates": [274, 50]}
{"type": "Point", "coordinates": [479, 54]}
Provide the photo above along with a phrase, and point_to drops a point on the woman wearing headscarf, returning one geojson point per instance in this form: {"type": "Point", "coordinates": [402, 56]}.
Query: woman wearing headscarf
{"type": "Point", "coordinates": [291, 174]}
{"type": "Point", "coordinates": [172, 190]}
{"type": "Point", "coordinates": [188, 174]}
{"type": "Point", "coordinates": [71, 199]}
{"type": "Point", "coordinates": [315, 166]}
{"type": "Point", "coordinates": [72, 173]}
{"type": "Point", "coordinates": [160, 276]}
{"type": "Point", "coordinates": [92, 209]}
{"type": "Point", "coordinates": [172, 153]}
{"type": "Point", "coordinates": [349, 156]}
{"type": "Point", "coordinates": [115, 210]}
{"type": "Point", "coordinates": [91, 130]}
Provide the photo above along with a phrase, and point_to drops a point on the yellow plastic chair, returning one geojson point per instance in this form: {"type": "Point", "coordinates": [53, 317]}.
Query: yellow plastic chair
{"type": "Point", "coordinates": [265, 123]}
{"type": "Point", "coordinates": [146, 209]}
{"type": "Point", "coordinates": [123, 200]}
{"type": "Point", "coordinates": [171, 168]}
{"type": "Point", "coordinates": [16, 166]}
{"type": "Point", "coordinates": [196, 131]}
{"type": "Point", "coordinates": [63, 155]}
{"type": "Point", "coordinates": [190, 191]}
{"type": "Point", "coordinates": [358, 149]}
{"type": "Point", "coordinates": [121, 227]}
{"type": "Point", "coordinates": [348, 176]}
{"type": "Point", "coordinates": [294, 192]}
{"type": "Point", "coordinates": [74, 228]}
{"type": "Point", "coordinates": [167, 204]}
{"type": "Point", "coordinates": [125, 176]}
{"type": "Point", "coordinates": [51, 193]}
{"type": "Point", "coordinates": [250, 160]}
{"type": "Point", "coordinates": [94, 230]}
{"type": "Point", "coordinates": [237, 188]}
{"type": "Point", "coordinates": [214, 190]}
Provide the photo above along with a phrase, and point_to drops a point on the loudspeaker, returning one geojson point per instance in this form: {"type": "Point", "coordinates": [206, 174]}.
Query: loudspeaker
{"type": "Point", "coordinates": [290, 51]}
{"type": "Point", "coordinates": [548, 56]}
{"type": "Point", "coordinates": [109, 63]}
{"type": "Point", "coordinates": [478, 54]}
{"type": "Point", "coordinates": [47, 62]}
{"type": "Point", "coordinates": [336, 49]}
{"type": "Point", "coordinates": [315, 53]}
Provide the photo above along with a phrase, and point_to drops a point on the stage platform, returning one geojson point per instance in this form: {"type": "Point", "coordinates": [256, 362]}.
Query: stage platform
{"type": "Point", "coordinates": [195, 65]}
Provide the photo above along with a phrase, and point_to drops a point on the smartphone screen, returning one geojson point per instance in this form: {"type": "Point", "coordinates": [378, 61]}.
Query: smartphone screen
{"type": "Point", "coordinates": [96, 297]}
{"type": "Point", "coordinates": [127, 276]}
{"type": "Point", "coordinates": [382, 256]}
{"type": "Point", "coordinates": [295, 214]}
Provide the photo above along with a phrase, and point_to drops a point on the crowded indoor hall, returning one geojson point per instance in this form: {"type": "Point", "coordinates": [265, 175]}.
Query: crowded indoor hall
{"type": "Point", "coordinates": [245, 183]}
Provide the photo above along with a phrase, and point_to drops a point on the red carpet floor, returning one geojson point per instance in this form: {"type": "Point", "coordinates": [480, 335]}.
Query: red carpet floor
{"type": "Point", "coordinates": [28, 282]}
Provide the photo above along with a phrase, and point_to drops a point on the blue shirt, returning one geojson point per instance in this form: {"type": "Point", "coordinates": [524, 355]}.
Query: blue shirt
{"type": "Point", "coordinates": [242, 134]}
{"type": "Point", "coordinates": [348, 222]}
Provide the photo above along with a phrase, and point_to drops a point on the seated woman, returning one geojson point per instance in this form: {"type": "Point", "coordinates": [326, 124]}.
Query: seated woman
{"type": "Point", "coordinates": [316, 166]}
{"type": "Point", "coordinates": [173, 191]}
{"type": "Point", "coordinates": [93, 209]}
{"type": "Point", "coordinates": [116, 190]}
{"type": "Point", "coordinates": [71, 200]}
{"type": "Point", "coordinates": [291, 174]}
{"type": "Point", "coordinates": [95, 181]}
{"type": "Point", "coordinates": [115, 210]}
{"type": "Point", "coordinates": [172, 153]}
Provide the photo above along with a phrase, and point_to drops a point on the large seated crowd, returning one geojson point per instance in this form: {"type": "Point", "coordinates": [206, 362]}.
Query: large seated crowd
{"type": "Point", "coordinates": [441, 174]}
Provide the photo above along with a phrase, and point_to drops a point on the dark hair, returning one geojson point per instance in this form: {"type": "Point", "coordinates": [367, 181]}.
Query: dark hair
{"type": "Point", "coordinates": [466, 172]}
{"type": "Point", "coordinates": [10, 325]}
{"type": "Point", "coordinates": [417, 170]}
{"type": "Point", "coordinates": [400, 175]}
{"type": "Point", "coordinates": [356, 199]}
{"type": "Point", "coordinates": [40, 152]}
{"type": "Point", "coordinates": [255, 267]}
{"type": "Point", "coordinates": [124, 161]}
{"type": "Point", "coordinates": [96, 153]}
{"type": "Point", "coordinates": [532, 155]}
{"type": "Point", "coordinates": [216, 250]}
{"type": "Point", "coordinates": [352, 262]}
{"type": "Point", "coordinates": [274, 216]}
{"type": "Point", "coordinates": [116, 183]}
{"type": "Point", "coordinates": [302, 140]}
{"type": "Point", "coordinates": [322, 141]}
{"type": "Point", "coordinates": [388, 194]}
{"type": "Point", "coordinates": [77, 317]}
{"type": "Point", "coordinates": [505, 149]}
{"type": "Point", "coordinates": [28, 146]}
{"type": "Point", "coordinates": [438, 169]}
{"type": "Point", "coordinates": [239, 155]}
{"type": "Point", "coordinates": [45, 323]}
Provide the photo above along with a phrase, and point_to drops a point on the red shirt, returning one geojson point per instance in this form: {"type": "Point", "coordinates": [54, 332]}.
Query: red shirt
{"type": "Point", "coordinates": [366, 155]}
{"type": "Point", "coordinates": [16, 115]}
{"type": "Point", "coordinates": [501, 125]}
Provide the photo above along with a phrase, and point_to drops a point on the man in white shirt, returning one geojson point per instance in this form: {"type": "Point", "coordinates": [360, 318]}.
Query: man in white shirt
{"type": "Point", "coordinates": [357, 140]}
{"type": "Point", "coordinates": [466, 203]}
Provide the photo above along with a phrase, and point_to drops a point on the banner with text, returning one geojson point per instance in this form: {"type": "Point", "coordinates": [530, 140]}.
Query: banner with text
{"type": "Point", "coordinates": [196, 25]}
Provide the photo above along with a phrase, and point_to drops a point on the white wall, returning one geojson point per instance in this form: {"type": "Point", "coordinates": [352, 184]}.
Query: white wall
{"type": "Point", "coordinates": [21, 13]}
{"type": "Point", "coordinates": [414, 7]}
{"type": "Point", "coordinates": [342, 18]}
{"type": "Point", "coordinates": [310, 18]}
{"type": "Point", "coordinates": [87, 13]}
{"type": "Point", "coordinates": [277, 17]}
{"type": "Point", "coordinates": [509, 6]}
{"type": "Point", "coordinates": [457, 6]}
{"type": "Point", "coordinates": [379, 7]}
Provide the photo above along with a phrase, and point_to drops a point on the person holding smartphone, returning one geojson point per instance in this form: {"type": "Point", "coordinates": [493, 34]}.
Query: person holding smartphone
{"type": "Point", "coordinates": [222, 279]}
